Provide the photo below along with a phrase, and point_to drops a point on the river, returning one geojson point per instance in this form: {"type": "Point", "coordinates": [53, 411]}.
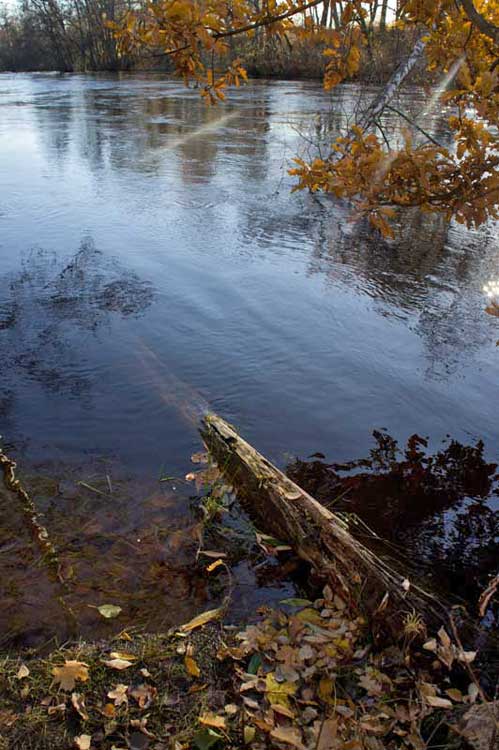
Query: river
{"type": "Point", "coordinates": [154, 263]}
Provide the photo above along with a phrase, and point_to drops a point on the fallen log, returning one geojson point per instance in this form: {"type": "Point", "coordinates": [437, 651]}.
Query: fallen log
{"type": "Point", "coordinates": [317, 535]}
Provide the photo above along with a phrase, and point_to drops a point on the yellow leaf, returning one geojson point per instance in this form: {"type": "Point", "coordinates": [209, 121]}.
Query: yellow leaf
{"type": "Point", "coordinates": [310, 615]}
{"type": "Point", "coordinates": [191, 666]}
{"type": "Point", "coordinates": [325, 690]}
{"type": "Point", "coordinates": [200, 620]}
{"type": "Point", "coordinates": [69, 673]}
{"type": "Point", "coordinates": [209, 719]}
{"type": "Point", "coordinates": [278, 692]}
{"type": "Point", "coordinates": [214, 565]}
{"type": "Point", "coordinates": [122, 655]}
{"type": "Point", "coordinates": [248, 734]}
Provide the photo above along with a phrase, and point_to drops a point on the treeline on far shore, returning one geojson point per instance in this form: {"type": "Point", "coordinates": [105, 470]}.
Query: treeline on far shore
{"type": "Point", "coordinates": [75, 36]}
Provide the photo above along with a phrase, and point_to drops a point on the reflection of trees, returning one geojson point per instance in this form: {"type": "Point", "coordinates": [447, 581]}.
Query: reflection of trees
{"type": "Point", "coordinates": [434, 509]}
{"type": "Point", "coordinates": [138, 124]}
{"type": "Point", "coordinates": [431, 271]}
{"type": "Point", "coordinates": [49, 305]}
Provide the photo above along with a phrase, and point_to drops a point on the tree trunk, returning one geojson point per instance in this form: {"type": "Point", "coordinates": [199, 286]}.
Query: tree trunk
{"type": "Point", "coordinates": [382, 20]}
{"type": "Point", "coordinates": [318, 536]}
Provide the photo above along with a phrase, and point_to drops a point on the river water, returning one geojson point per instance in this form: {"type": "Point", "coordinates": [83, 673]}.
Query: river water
{"type": "Point", "coordinates": [153, 264]}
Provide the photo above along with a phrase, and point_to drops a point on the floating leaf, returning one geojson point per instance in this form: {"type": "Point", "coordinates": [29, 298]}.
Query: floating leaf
{"type": "Point", "coordinates": [199, 458]}
{"type": "Point", "coordinates": [214, 565]}
{"type": "Point", "coordinates": [212, 553]}
{"type": "Point", "coordinates": [109, 611]}
{"type": "Point", "coordinates": [296, 602]}
{"type": "Point", "coordinates": [69, 673]}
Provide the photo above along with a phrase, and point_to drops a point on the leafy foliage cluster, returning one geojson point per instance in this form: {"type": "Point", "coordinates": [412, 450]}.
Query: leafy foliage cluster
{"type": "Point", "coordinates": [461, 40]}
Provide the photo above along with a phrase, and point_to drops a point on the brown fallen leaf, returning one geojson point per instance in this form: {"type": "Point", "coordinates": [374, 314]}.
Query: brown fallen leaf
{"type": "Point", "coordinates": [59, 709]}
{"type": "Point", "coordinates": [328, 739]}
{"type": "Point", "coordinates": [82, 742]}
{"type": "Point", "coordinates": [22, 672]}
{"type": "Point", "coordinates": [437, 702]}
{"type": "Point", "coordinates": [69, 673]}
{"type": "Point", "coordinates": [119, 694]}
{"type": "Point", "coordinates": [119, 664]}
{"type": "Point", "coordinates": [140, 724]}
{"type": "Point", "coordinates": [78, 703]}
{"type": "Point", "coordinates": [282, 710]}
{"type": "Point", "coordinates": [123, 655]}
{"type": "Point", "coordinates": [487, 595]}
{"type": "Point", "coordinates": [8, 718]}
{"type": "Point", "coordinates": [288, 735]}
{"type": "Point", "coordinates": [144, 695]}
{"type": "Point", "coordinates": [109, 710]}
{"type": "Point", "coordinates": [209, 719]}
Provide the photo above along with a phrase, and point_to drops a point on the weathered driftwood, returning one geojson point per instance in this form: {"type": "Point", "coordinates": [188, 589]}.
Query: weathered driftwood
{"type": "Point", "coordinates": [318, 536]}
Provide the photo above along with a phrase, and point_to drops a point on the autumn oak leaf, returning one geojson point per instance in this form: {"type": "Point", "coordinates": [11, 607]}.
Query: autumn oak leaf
{"type": "Point", "coordinates": [68, 674]}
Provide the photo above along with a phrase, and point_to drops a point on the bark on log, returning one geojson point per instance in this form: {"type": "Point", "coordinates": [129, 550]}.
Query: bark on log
{"type": "Point", "coordinates": [317, 535]}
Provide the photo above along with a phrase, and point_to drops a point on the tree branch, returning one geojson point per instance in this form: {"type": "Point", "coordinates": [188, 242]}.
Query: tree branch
{"type": "Point", "coordinates": [482, 24]}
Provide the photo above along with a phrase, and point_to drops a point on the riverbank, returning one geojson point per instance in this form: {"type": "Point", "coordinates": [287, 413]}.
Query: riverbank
{"type": "Point", "coordinates": [300, 58]}
{"type": "Point", "coordinates": [321, 670]}
{"type": "Point", "coordinates": [306, 675]}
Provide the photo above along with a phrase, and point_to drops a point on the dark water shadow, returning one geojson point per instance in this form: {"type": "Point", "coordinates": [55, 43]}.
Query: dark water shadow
{"type": "Point", "coordinates": [435, 513]}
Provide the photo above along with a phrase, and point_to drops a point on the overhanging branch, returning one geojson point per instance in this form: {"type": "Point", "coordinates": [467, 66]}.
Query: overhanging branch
{"type": "Point", "coordinates": [482, 23]}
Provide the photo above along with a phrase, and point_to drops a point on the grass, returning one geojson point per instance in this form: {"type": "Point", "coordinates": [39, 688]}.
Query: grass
{"type": "Point", "coordinates": [35, 714]}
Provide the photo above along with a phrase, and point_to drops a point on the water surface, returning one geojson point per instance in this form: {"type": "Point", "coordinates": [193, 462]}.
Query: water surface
{"type": "Point", "coordinates": [153, 262]}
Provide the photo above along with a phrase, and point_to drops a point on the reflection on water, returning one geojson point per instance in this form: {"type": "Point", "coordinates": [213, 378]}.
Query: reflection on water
{"type": "Point", "coordinates": [152, 259]}
{"type": "Point", "coordinates": [436, 511]}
